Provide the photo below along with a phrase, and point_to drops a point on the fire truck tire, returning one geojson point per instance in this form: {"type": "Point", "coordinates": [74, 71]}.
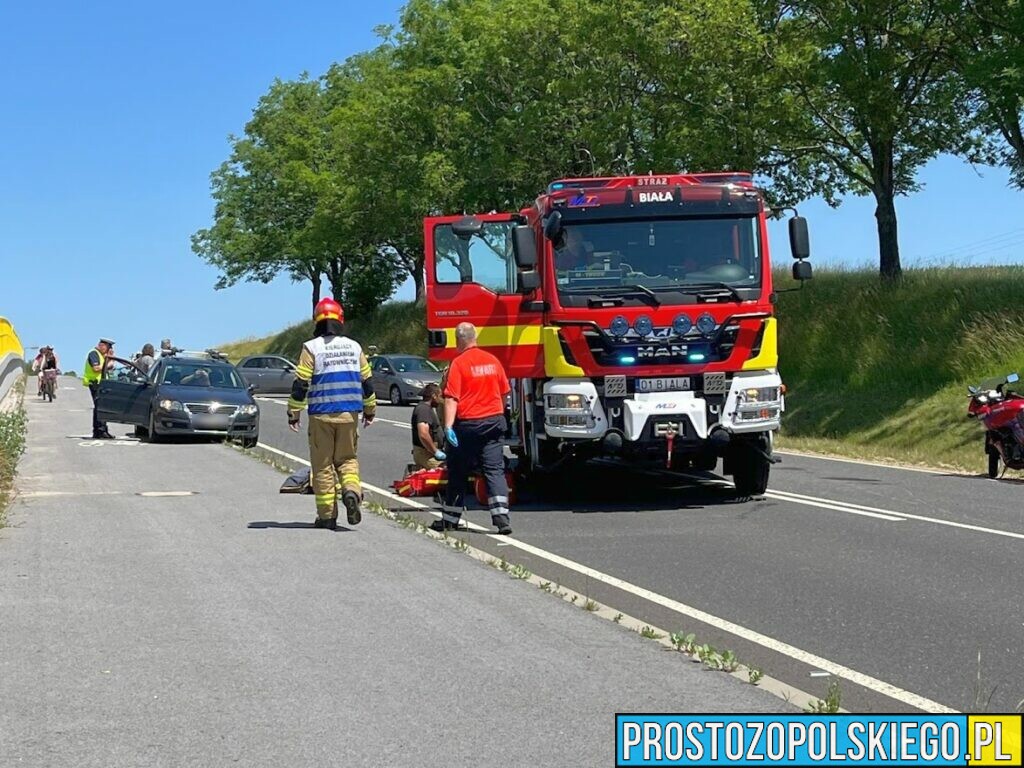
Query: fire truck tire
{"type": "Point", "coordinates": [705, 462]}
{"type": "Point", "coordinates": [750, 468]}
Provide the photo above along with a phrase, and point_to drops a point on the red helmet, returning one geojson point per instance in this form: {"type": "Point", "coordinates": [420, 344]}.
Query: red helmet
{"type": "Point", "coordinates": [328, 309]}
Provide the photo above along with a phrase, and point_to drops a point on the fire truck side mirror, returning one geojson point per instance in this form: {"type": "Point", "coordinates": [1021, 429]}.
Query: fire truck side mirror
{"type": "Point", "coordinates": [467, 227]}
{"type": "Point", "coordinates": [553, 226]}
{"type": "Point", "coordinates": [525, 246]}
{"type": "Point", "coordinates": [799, 239]}
{"type": "Point", "coordinates": [528, 281]}
{"type": "Point", "coordinates": [802, 271]}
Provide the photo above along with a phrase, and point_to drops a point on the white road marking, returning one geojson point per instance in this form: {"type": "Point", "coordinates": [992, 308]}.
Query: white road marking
{"type": "Point", "coordinates": [866, 463]}
{"type": "Point", "coordinates": [49, 494]}
{"type": "Point", "coordinates": [166, 493]}
{"type": "Point", "coordinates": [778, 646]}
{"type": "Point", "coordinates": [100, 443]}
{"type": "Point", "coordinates": [838, 506]}
{"type": "Point", "coordinates": [797, 498]}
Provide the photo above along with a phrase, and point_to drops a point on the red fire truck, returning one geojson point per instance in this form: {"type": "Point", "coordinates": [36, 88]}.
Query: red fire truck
{"type": "Point", "coordinates": [634, 316]}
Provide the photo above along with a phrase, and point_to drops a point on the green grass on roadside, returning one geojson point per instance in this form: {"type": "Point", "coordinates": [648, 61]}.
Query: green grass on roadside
{"type": "Point", "coordinates": [881, 371]}
{"type": "Point", "coordinates": [13, 427]}
{"type": "Point", "coordinates": [874, 371]}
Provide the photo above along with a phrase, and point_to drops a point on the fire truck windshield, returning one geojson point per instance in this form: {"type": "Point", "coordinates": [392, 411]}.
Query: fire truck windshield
{"type": "Point", "coordinates": [658, 256]}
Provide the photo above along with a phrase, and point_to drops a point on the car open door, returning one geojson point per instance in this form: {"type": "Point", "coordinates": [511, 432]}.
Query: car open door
{"type": "Point", "coordinates": [472, 276]}
{"type": "Point", "coordinates": [125, 394]}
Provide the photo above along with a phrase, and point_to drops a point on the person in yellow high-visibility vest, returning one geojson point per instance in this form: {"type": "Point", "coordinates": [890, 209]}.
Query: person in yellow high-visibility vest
{"type": "Point", "coordinates": [93, 371]}
{"type": "Point", "coordinates": [333, 378]}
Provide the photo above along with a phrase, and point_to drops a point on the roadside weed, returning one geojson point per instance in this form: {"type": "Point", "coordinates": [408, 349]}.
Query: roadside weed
{"type": "Point", "coordinates": [831, 703]}
{"type": "Point", "coordinates": [650, 633]}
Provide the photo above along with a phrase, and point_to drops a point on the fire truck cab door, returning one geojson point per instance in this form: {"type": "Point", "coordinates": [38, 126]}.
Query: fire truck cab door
{"type": "Point", "coordinates": [475, 279]}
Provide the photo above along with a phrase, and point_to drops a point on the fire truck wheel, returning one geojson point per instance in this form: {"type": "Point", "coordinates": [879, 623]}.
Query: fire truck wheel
{"type": "Point", "coordinates": [750, 467]}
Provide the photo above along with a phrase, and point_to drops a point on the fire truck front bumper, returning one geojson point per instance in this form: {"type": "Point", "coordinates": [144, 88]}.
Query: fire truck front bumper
{"type": "Point", "coordinates": [754, 403]}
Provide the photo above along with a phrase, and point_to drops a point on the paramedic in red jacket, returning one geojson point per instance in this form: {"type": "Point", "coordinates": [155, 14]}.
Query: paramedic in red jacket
{"type": "Point", "coordinates": [475, 389]}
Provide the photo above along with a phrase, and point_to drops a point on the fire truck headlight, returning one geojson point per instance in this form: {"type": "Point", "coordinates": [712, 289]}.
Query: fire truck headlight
{"type": "Point", "coordinates": [566, 402]}
{"type": "Point", "coordinates": [682, 325]}
{"type": "Point", "coordinates": [644, 326]}
{"type": "Point", "coordinates": [619, 326]}
{"type": "Point", "coordinates": [706, 324]}
{"type": "Point", "coordinates": [761, 394]}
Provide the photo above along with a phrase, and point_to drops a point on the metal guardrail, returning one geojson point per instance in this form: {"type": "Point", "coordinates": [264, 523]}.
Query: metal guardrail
{"type": "Point", "coordinates": [12, 357]}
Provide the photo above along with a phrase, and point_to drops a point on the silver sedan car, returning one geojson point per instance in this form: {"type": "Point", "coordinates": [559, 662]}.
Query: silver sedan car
{"type": "Point", "coordinates": [268, 374]}
{"type": "Point", "coordinates": [400, 378]}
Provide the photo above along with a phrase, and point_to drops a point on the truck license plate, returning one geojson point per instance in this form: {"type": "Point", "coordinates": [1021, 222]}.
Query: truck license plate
{"type": "Point", "coordinates": [664, 384]}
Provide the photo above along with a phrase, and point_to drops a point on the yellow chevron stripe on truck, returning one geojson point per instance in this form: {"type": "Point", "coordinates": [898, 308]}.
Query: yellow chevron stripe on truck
{"type": "Point", "coordinates": [768, 357]}
{"type": "Point", "coordinates": [499, 335]}
{"type": "Point", "coordinates": [9, 341]}
{"type": "Point", "coordinates": [555, 364]}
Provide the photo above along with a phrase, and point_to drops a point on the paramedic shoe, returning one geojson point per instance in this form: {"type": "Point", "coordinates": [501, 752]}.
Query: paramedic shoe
{"type": "Point", "coordinates": [330, 523]}
{"type": "Point", "coordinates": [440, 526]}
{"type": "Point", "coordinates": [501, 523]}
{"type": "Point", "coordinates": [351, 501]}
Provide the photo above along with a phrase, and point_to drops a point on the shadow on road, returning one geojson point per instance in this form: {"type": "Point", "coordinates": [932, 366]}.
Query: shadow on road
{"type": "Point", "coordinates": [259, 524]}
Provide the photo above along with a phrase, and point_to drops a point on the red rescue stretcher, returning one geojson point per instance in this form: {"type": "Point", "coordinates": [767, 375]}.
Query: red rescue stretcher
{"type": "Point", "coordinates": [427, 482]}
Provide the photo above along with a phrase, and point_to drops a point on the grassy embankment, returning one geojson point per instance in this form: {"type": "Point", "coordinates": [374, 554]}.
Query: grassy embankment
{"type": "Point", "coordinates": [873, 371]}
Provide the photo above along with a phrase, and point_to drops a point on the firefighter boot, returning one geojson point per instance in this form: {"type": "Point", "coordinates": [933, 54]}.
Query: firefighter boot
{"type": "Point", "coordinates": [501, 523]}
{"type": "Point", "coordinates": [351, 501]}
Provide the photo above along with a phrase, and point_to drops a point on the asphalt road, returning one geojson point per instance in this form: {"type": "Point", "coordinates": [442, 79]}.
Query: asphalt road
{"type": "Point", "coordinates": [904, 584]}
{"type": "Point", "coordinates": [163, 605]}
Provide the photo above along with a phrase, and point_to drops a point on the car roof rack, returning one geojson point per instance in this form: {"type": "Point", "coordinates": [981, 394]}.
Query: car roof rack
{"type": "Point", "coordinates": [211, 354]}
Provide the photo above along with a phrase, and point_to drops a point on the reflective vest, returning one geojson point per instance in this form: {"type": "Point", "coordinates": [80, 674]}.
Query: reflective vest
{"type": "Point", "coordinates": [89, 376]}
{"type": "Point", "coordinates": [337, 382]}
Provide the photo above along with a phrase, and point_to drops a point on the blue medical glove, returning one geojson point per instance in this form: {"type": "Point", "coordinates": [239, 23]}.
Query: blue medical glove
{"type": "Point", "coordinates": [449, 434]}
{"type": "Point", "coordinates": [440, 455]}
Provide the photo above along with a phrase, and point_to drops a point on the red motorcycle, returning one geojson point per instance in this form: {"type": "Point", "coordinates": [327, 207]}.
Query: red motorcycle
{"type": "Point", "coordinates": [1001, 410]}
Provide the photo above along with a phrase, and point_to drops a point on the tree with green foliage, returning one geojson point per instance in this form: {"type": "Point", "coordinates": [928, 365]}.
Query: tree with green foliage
{"type": "Point", "coordinates": [991, 57]}
{"type": "Point", "coordinates": [283, 204]}
{"type": "Point", "coordinates": [875, 80]}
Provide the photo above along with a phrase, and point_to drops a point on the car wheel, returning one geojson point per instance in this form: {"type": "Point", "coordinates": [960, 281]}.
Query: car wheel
{"type": "Point", "coordinates": [249, 442]}
{"type": "Point", "coordinates": [395, 395]}
{"type": "Point", "coordinates": [141, 432]}
{"type": "Point", "coordinates": [151, 435]}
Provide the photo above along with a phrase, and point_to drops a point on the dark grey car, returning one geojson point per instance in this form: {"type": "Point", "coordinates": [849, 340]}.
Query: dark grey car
{"type": "Point", "coordinates": [270, 374]}
{"type": "Point", "coordinates": [181, 395]}
{"type": "Point", "coordinates": [400, 378]}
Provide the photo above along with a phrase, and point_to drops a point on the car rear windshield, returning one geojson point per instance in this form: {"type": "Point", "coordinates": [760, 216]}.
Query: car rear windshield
{"type": "Point", "coordinates": [413, 364]}
{"type": "Point", "coordinates": [199, 375]}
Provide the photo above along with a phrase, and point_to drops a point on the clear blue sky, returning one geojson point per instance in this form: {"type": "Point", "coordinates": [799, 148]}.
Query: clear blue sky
{"type": "Point", "coordinates": [115, 114]}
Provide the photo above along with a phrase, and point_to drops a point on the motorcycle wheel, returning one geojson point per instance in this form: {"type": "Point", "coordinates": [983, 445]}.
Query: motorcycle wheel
{"type": "Point", "coordinates": [993, 464]}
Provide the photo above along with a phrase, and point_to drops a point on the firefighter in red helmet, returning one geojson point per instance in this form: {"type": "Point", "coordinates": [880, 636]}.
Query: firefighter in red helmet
{"type": "Point", "coordinates": [333, 381]}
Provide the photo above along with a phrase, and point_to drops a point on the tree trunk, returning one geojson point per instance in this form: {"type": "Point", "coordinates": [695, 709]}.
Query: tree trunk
{"type": "Point", "coordinates": [419, 282]}
{"type": "Point", "coordinates": [888, 239]}
{"type": "Point", "coordinates": [885, 212]}
{"type": "Point", "coordinates": [316, 281]}
{"type": "Point", "coordinates": [336, 274]}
